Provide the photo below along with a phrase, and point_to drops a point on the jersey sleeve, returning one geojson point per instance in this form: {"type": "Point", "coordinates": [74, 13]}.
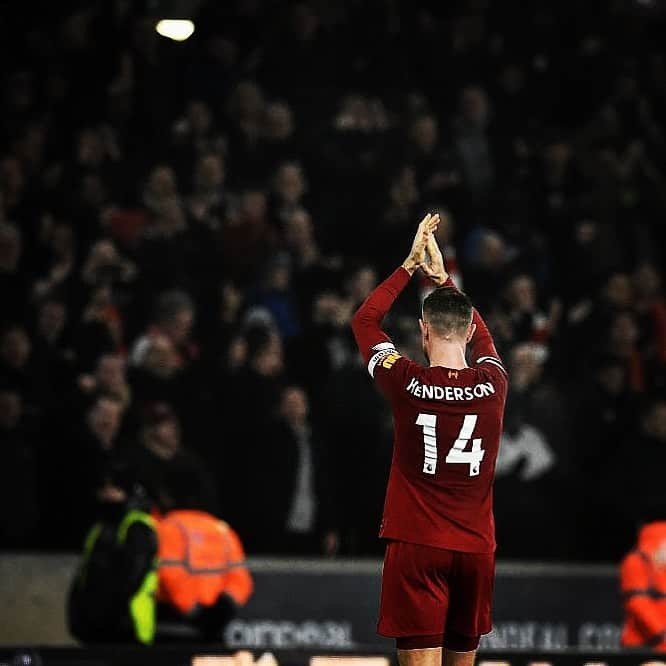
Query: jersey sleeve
{"type": "Point", "coordinates": [382, 359]}
{"type": "Point", "coordinates": [367, 321]}
{"type": "Point", "coordinates": [482, 349]}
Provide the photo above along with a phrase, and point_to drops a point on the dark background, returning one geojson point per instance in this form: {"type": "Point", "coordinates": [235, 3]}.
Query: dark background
{"type": "Point", "coordinates": [185, 230]}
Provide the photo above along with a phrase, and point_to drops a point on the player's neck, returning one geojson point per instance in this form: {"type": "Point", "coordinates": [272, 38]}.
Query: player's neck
{"type": "Point", "coordinates": [448, 355]}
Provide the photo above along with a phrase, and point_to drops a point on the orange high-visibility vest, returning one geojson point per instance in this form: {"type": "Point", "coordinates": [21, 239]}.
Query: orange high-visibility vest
{"type": "Point", "coordinates": [643, 584]}
{"type": "Point", "coordinates": [200, 558]}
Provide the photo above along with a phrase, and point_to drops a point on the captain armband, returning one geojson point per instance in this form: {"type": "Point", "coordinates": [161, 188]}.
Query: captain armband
{"type": "Point", "coordinates": [385, 355]}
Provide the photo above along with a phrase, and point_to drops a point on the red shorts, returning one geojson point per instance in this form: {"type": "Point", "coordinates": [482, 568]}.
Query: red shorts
{"type": "Point", "coordinates": [430, 591]}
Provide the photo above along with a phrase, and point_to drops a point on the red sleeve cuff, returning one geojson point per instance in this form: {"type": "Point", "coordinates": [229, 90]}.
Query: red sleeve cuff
{"type": "Point", "coordinates": [450, 283]}
{"type": "Point", "coordinates": [402, 276]}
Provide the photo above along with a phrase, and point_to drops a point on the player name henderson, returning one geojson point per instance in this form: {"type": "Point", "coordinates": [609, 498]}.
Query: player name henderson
{"type": "Point", "coordinates": [428, 391]}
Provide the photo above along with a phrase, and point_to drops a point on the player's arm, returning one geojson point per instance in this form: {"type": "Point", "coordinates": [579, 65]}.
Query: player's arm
{"type": "Point", "coordinates": [371, 339]}
{"type": "Point", "coordinates": [482, 346]}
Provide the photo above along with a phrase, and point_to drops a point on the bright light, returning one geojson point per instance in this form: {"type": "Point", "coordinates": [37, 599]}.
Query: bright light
{"type": "Point", "coordinates": [177, 29]}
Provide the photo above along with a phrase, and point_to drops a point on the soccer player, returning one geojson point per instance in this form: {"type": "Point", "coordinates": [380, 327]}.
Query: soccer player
{"type": "Point", "coordinates": [439, 566]}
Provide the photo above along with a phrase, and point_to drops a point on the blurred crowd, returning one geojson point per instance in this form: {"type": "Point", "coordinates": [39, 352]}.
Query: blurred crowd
{"type": "Point", "coordinates": [186, 230]}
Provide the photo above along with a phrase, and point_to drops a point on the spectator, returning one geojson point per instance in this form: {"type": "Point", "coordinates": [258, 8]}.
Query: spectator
{"type": "Point", "coordinates": [102, 424]}
{"type": "Point", "coordinates": [163, 247]}
{"type": "Point", "coordinates": [60, 256]}
{"type": "Point", "coordinates": [297, 59]}
{"type": "Point", "coordinates": [195, 136]}
{"type": "Point", "coordinates": [351, 153]}
{"type": "Point", "coordinates": [651, 312]}
{"type": "Point", "coordinates": [159, 369]}
{"type": "Point", "coordinates": [14, 284]}
{"type": "Point", "coordinates": [312, 270]}
{"type": "Point", "coordinates": [622, 343]}
{"type": "Point", "coordinates": [100, 329]}
{"type": "Point", "coordinates": [360, 283]}
{"type": "Point", "coordinates": [91, 450]}
{"type": "Point", "coordinates": [51, 322]}
{"type": "Point", "coordinates": [254, 399]}
{"type": "Point", "coordinates": [164, 363]}
{"type": "Point", "coordinates": [605, 414]}
{"type": "Point", "coordinates": [209, 201]}
{"type": "Point", "coordinates": [248, 239]}
{"type": "Point", "coordinates": [403, 196]}
{"type": "Point", "coordinates": [328, 339]}
{"type": "Point", "coordinates": [279, 141]}
{"type": "Point", "coordinates": [557, 190]}
{"type": "Point", "coordinates": [359, 436]}
{"type": "Point", "coordinates": [246, 108]}
{"type": "Point", "coordinates": [642, 483]}
{"type": "Point", "coordinates": [97, 153]}
{"type": "Point", "coordinates": [596, 249]}
{"type": "Point", "coordinates": [161, 192]}
{"type": "Point", "coordinates": [53, 355]}
{"type": "Point", "coordinates": [534, 459]}
{"type": "Point", "coordinates": [291, 473]}
{"type": "Point", "coordinates": [275, 294]}
{"type": "Point", "coordinates": [606, 410]}
{"type": "Point", "coordinates": [300, 239]}
{"type": "Point", "coordinates": [520, 319]}
{"type": "Point", "coordinates": [20, 511]}
{"type": "Point", "coordinates": [289, 188]}
{"type": "Point", "coordinates": [472, 144]}
{"type": "Point", "coordinates": [173, 320]}
{"type": "Point", "coordinates": [225, 327]}
{"type": "Point", "coordinates": [213, 74]}
{"type": "Point", "coordinates": [104, 266]}
{"type": "Point", "coordinates": [13, 187]}
{"type": "Point", "coordinates": [436, 169]}
{"type": "Point", "coordinates": [486, 261]}
{"type": "Point", "coordinates": [160, 459]}
{"type": "Point", "coordinates": [15, 360]}
{"type": "Point", "coordinates": [109, 379]}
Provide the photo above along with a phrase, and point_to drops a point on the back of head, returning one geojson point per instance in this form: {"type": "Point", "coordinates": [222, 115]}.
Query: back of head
{"type": "Point", "coordinates": [448, 312]}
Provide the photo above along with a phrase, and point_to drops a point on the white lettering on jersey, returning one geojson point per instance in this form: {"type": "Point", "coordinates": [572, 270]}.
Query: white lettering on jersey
{"type": "Point", "coordinates": [428, 422]}
{"type": "Point", "coordinates": [449, 393]}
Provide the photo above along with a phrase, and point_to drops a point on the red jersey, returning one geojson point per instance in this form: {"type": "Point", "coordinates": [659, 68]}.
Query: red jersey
{"type": "Point", "coordinates": [447, 426]}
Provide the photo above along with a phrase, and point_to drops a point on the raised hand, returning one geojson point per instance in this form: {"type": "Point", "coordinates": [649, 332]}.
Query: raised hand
{"type": "Point", "coordinates": [435, 268]}
{"type": "Point", "coordinates": [417, 254]}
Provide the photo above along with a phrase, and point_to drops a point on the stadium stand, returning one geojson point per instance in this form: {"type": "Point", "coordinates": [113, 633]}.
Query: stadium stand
{"type": "Point", "coordinates": [190, 226]}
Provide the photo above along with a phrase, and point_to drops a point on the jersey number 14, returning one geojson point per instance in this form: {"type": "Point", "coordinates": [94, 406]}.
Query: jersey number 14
{"type": "Point", "coordinates": [457, 453]}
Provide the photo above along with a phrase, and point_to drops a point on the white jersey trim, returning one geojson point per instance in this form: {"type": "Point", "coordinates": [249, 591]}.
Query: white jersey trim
{"type": "Point", "coordinates": [383, 346]}
{"type": "Point", "coordinates": [493, 360]}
